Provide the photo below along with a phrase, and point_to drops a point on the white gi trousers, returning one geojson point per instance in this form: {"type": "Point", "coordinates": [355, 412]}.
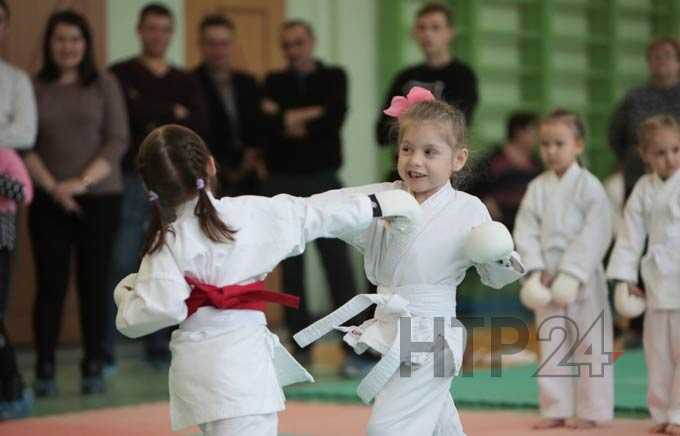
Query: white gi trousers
{"type": "Point", "coordinates": [572, 391]}
{"type": "Point", "coordinates": [418, 405]}
{"type": "Point", "coordinates": [661, 337]}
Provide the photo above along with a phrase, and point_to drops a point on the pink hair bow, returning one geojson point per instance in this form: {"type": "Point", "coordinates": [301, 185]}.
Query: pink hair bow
{"type": "Point", "coordinates": [400, 104]}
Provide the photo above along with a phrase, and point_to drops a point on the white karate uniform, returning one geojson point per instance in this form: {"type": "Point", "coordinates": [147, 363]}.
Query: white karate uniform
{"type": "Point", "coordinates": [653, 211]}
{"type": "Point", "coordinates": [417, 274]}
{"type": "Point", "coordinates": [564, 225]}
{"type": "Point", "coordinates": [226, 364]}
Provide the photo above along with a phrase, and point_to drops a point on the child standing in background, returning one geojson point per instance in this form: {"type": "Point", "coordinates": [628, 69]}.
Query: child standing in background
{"type": "Point", "coordinates": [15, 188]}
{"type": "Point", "coordinates": [652, 214]}
{"type": "Point", "coordinates": [562, 231]}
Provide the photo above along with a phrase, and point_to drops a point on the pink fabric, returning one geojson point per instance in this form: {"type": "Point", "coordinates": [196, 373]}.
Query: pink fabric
{"type": "Point", "coordinates": [12, 166]}
{"type": "Point", "coordinates": [400, 104]}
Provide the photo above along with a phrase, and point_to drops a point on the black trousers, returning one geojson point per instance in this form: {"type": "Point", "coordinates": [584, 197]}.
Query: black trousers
{"type": "Point", "coordinates": [57, 236]}
{"type": "Point", "coordinates": [334, 253]}
{"type": "Point", "coordinates": [11, 383]}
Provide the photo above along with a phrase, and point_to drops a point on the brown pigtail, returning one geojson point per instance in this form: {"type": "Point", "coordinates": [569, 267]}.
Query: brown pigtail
{"type": "Point", "coordinates": [174, 162]}
{"type": "Point", "coordinates": [211, 224]}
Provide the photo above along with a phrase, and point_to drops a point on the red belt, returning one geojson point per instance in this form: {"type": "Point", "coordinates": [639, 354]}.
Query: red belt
{"type": "Point", "coordinates": [253, 296]}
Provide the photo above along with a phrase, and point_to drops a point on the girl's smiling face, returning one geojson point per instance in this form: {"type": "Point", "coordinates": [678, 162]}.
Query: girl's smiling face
{"type": "Point", "coordinates": [427, 157]}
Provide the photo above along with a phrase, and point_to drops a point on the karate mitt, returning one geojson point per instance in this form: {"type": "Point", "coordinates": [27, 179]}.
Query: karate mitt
{"type": "Point", "coordinates": [628, 305]}
{"type": "Point", "coordinates": [488, 243]}
{"type": "Point", "coordinates": [533, 294]}
{"type": "Point", "coordinates": [399, 205]}
{"type": "Point", "coordinates": [565, 289]}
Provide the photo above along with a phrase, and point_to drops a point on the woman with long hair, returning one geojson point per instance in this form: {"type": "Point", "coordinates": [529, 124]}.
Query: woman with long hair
{"type": "Point", "coordinates": [82, 134]}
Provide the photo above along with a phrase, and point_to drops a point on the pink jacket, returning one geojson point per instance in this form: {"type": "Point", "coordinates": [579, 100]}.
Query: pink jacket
{"type": "Point", "coordinates": [12, 166]}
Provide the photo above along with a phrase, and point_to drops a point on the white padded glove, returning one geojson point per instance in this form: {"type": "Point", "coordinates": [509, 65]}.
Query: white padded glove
{"type": "Point", "coordinates": [397, 203]}
{"type": "Point", "coordinates": [533, 294]}
{"type": "Point", "coordinates": [489, 242]}
{"type": "Point", "coordinates": [627, 304]}
{"type": "Point", "coordinates": [565, 289]}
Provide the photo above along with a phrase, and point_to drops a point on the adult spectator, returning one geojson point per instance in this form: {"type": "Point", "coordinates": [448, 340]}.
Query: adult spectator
{"type": "Point", "coordinates": [232, 101]}
{"type": "Point", "coordinates": [156, 93]}
{"type": "Point", "coordinates": [305, 105]}
{"type": "Point", "coordinates": [17, 131]}
{"type": "Point", "coordinates": [448, 78]}
{"type": "Point", "coordinates": [661, 94]}
{"type": "Point", "coordinates": [82, 134]}
{"type": "Point", "coordinates": [504, 174]}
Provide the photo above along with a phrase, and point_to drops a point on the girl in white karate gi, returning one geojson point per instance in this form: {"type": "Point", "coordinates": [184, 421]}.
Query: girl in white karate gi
{"type": "Point", "coordinates": [652, 213]}
{"type": "Point", "coordinates": [417, 274]}
{"type": "Point", "coordinates": [563, 230]}
{"type": "Point", "coordinates": [204, 263]}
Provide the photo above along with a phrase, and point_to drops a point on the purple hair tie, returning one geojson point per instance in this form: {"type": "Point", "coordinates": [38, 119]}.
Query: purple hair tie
{"type": "Point", "coordinates": [200, 183]}
{"type": "Point", "coordinates": [153, 196]}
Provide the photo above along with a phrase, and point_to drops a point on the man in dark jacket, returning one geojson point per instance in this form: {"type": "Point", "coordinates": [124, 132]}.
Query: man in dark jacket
{"type": "Point", "coordinates": [232, 100]}
{"type": "Point", "coordinates": [305, 106]}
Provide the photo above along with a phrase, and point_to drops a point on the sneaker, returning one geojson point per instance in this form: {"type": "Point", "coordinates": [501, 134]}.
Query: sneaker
{"type": "Point", "coordinates": [93, 384]}
{"type": "Point", "coordinates": [45, 387]}
{"type": "Point", "coordinates": [356, 366]}
{"type": "Point", "coordinates": [109, 369]}
{"type": "Point", "coordinates": [17, 409]}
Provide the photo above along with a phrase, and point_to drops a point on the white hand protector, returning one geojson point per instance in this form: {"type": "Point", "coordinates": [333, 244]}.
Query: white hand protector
{"type": "Point", "coordinates": [565, 289]}
{"type": "Point", "coordinates": [398, 203]}
{"type": "Point", "coordinates": [533, 294]}
{"type": "Point", "coordinates": [489, 242]}
{"type": "Point", "coordinates": [628, 305]}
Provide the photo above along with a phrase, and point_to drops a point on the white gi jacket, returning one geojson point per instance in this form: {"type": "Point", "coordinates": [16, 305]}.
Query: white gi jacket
{"type": "Point", "coordinates": [417, 274]}
{"type": "Point", "coordinates": [652, 210]}
{"type": "Point", "coordinates": [226, 363]}
{"type": "Point", "coordinates": [565, 225]}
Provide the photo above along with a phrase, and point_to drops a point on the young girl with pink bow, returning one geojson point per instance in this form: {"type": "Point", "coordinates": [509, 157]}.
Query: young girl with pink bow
{"type": "Point", "coordinates": [417, 274]}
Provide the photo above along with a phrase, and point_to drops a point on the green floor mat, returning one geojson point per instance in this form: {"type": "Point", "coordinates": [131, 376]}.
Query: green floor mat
{"type": "Point", "coordinates": [515, 388]}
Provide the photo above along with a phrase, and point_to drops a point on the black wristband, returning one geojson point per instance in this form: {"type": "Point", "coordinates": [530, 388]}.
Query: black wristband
{"type": "Point", "coordinates": [377, 210]}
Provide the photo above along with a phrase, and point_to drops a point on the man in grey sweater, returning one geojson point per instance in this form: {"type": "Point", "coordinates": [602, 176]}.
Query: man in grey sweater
{"type": "Point", "coordinates": [660, 95]}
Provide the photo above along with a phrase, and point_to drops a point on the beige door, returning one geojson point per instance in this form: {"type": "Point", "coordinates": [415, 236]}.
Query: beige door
{"type": "Point", "coordinates": [257, 28]}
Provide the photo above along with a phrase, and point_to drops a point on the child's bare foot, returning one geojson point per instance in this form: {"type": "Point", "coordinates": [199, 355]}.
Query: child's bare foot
{"type": "Point", "coordinates": [578, 423]}
{"type": "Point", "coordinates": [659, 428]}
{"type": "Point", "coordinates": [547, 423]}
{"type": "Point", "coordinates": [673, 429]}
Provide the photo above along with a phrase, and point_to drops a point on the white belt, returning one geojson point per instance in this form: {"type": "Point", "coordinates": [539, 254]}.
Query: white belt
{"type": "Point", "coordinates": [392, 304]}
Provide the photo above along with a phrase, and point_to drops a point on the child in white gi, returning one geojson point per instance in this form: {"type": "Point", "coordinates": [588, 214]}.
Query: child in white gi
{"type": "Point", "coordinates": [417, 275]}
{"type": "Point", "coordinates": [204, 263]}
{"type": "Point", "coordinates": [652, 213]}
{"type": "Point", "coordinates": [563, 230]}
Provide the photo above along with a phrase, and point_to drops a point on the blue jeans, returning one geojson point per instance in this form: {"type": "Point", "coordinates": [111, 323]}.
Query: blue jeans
{"type": "Point", "coordinates": [134, 218]}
